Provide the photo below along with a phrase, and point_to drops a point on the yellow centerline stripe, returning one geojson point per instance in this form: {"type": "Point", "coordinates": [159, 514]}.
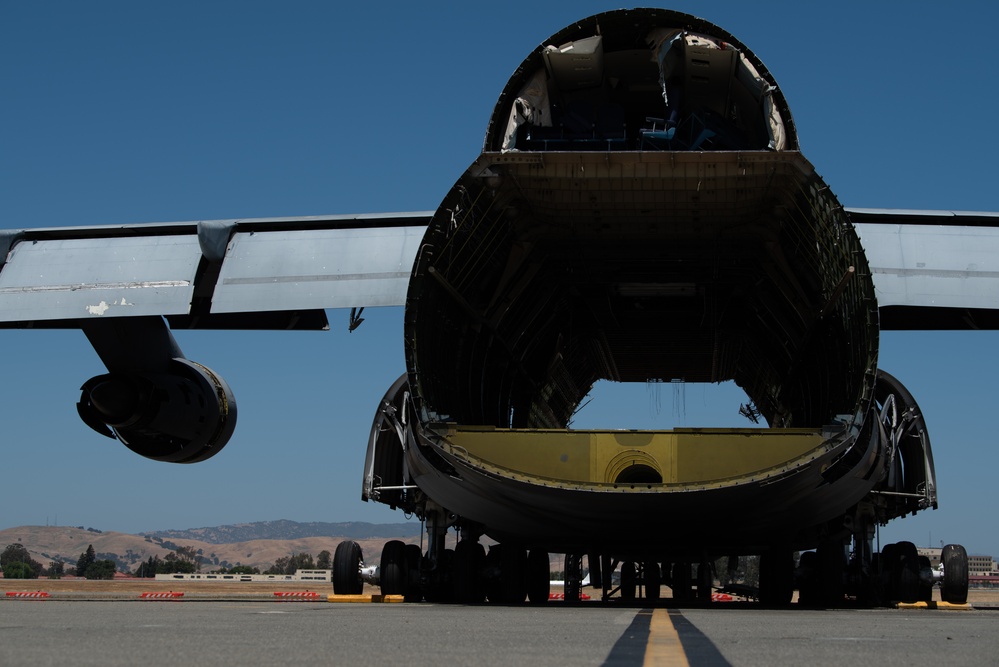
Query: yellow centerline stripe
{"type": "Point", "coordinates": [664, 647]}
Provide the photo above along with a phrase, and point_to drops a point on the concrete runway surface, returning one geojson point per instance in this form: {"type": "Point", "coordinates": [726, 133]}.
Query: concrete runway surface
{"type": "Point", "coordinates": [58, 632]}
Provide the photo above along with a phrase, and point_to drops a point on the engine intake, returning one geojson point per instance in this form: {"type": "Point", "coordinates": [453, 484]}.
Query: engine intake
{"type": "Point", "coordinates": [184, 416]}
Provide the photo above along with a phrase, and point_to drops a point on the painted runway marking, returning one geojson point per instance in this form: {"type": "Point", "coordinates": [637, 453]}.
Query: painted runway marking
{"type": "Point", "coordinates": [663, 646]}
{"type": "Point", "coordinates": [664, 637]}
{"type": "Point", "coordinates": [700, 651]}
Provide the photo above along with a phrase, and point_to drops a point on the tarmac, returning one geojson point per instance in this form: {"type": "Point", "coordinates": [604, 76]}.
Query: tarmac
{"type": "Point", "coordinates": [60, 632]}
{"type": "Point", "coordinates": [261, 628]}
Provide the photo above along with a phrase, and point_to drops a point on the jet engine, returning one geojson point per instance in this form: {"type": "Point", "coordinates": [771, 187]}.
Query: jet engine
{"type": "Point", "coordinates": [184, 415]}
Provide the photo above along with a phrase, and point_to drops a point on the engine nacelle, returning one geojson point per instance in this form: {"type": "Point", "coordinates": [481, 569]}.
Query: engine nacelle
{"type": "Point", "coordinates": [184, 416]}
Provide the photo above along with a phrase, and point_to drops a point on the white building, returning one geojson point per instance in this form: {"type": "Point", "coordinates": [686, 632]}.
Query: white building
{"type": "Point", "coordinates": [300, 575]}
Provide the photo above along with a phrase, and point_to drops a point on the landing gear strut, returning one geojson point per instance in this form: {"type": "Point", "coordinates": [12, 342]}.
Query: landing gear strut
{"type": "Point", "coordinates": [573, 578]}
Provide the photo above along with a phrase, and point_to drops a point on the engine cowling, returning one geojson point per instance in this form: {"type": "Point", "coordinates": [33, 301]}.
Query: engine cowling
{"type": "Point", "coordinates": [186, 415]}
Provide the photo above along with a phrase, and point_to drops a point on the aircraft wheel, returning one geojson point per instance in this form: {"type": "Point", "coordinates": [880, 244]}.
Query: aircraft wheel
{"type": "Point", "coordinates": [414, 561]}
{"type": "Point", "coordinates": [513, 573]}
{"type": "Point", "coordinates": [704, 581]}
{"type": "Point", "coordinates": [954, 588]}
{"type": "Point", "coordinates": [776, 578]}
{"type": "Point", "coordinates": [653, 580]}
{"type": "Point", "coordinates": [888, 562]}
{"type": "Point", "coordinates": [831, 567]}
{"type": "Point", "coordinates": [873, 589]}
{"type": "Point", "coordinates": [347, 569]}
{"type": "Point", "coordinates": [905, 572]}
{"type": "Point", "coordinates": [468, 559]}
{"type": "Point", "coordinates": [681, 581]}
{"type": "Point", "coordinates": [629, 581]}
{"type": "Point", "coordinates": [925, 589]}
{"type": "Point", "coordinates": [440, 587]}
{"type": "Point", "coordinates": [538, 577]}
{"type": "Point", "coordinates": [393, 568]}
{"type": "Point", "coordinates": [493, 574]}
{"type": "Point", "coordinates": [807, 574]}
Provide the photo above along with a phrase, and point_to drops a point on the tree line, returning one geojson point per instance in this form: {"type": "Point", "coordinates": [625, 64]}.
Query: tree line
{"type": "Point", "coordinates": [16, 563]}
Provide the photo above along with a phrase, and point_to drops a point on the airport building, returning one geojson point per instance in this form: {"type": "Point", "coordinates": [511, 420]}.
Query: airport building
{"type": "Point", "coordinates": [977, 565]}
{"type": "Point", "coordinates": [308, 576]}
{"type": "Point", "coordinates": [981, 565]}
{"type": "Point", "coordinates": [983, 571]}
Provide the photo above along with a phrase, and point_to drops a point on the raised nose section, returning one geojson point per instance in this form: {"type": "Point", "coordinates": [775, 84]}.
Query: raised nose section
{"type": "Point", "coordinates": [641, 79]}
{"type": "Point", "coordinates": [641, 212]}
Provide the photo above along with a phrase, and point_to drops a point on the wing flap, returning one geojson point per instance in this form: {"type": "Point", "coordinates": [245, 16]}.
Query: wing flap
{"type": "Point", "coordinates": [98, 277]}
{"type": "Point", "coordinates": [931, 266]}
{"type": "Point", "coordinates": [260, 273]}
{"type": "Point", "coordinates": [932, 269]}
{"type": "Point", "coordinates": [328, 268]}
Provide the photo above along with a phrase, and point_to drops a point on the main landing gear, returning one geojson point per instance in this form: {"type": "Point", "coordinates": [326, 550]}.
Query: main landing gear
{"type": "Point", "coordinates": [506, 574]}
{"type": "Point", "coordinates": [897, 574]}
{"type": "Point", "coordinates": [900, 574]}
{"type": "Point", "coordinates": [513, 574]}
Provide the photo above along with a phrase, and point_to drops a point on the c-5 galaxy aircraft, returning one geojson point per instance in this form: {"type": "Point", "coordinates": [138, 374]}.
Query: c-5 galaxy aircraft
{"type": "Point", "coordinates": [640, 209]}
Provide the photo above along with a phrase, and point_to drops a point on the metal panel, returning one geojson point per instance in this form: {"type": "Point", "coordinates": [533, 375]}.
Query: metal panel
{"type": "Point", "coordinates": [323, 268]}
{"type": "Point", "coordinates": [933, 265]}
{"type": "Point", "coordinates": [98, 277]}
{"type": "Point", "coordinates": [685, 456]}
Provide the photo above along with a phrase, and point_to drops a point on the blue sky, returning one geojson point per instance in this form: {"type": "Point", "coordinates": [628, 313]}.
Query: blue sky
{"type": "Point", "coordinates": [124, 112]}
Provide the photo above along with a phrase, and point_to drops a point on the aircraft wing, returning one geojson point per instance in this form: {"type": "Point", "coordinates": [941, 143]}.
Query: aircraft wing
{"type": "Point", "coordinates": [262, 273]}
{"type": "Point", "coordinates": [932, 269]}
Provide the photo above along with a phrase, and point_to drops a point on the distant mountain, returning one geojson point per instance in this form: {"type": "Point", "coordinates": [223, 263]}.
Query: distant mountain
{"type": "Point", "coordinates": [288, 530]}
{"type": "Point", "coordinates": [255, 544]}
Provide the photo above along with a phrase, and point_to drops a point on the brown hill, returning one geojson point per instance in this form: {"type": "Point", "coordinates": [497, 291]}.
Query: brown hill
{"type": "Point", "coordinates": [49, 543]}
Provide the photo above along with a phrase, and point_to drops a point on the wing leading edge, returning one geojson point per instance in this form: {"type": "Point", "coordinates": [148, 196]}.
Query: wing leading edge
{"type": "Point", "coordinates": [261, 274]}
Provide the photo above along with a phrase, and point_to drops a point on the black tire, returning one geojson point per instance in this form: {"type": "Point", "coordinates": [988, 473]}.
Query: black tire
{"type": "Point", "coordinates": [776, 578]}
{"type": "Point", "coordinates": [513, 574]}
{"type": "Point", "coordinates": [873, 593]}
{"type": "Point", "coordinates": [653, 580]}
{"type": "Point", "coordinates": [954, 588]}
{"type": "Point", "coordinates": [681, 581]}
{"type": "Point", "coordinates": [441, 586]}
{"type": "Point", "coordinates": [538, 577]}
{"type": "Point", "coordinates": [393, 568]}
{"type": "Point", "coordinates": [889, 563]}
{"type": "Point", "coordinates": [905, 574]}
{"type": "Point", "coordinates": [347, 569]}
{"type": "Point", "coordinates": [807, 574]}
{"type": "Point", "coordinates": [467, 582]}
{"type": "Point", "coordinates": [925, 589]}
{"type": "Point", "coordinates": [831, 568]}
{"type": "Point", "coordinates": [629, 581]}
{"type": "Point", "coordinates": [414, 579]}
{"type": "Point", "coordinates": [705, 581]}
{"type": "Point", "coordinates": [493, 574]}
